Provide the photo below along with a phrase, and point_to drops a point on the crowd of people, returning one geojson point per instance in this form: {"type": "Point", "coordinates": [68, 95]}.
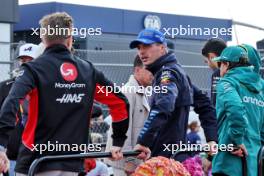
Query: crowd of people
{"type": "Point", "coordinates": [51, 99]}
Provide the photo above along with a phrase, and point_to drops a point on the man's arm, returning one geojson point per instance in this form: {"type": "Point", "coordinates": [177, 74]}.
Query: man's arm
{"type": "Point", "coordinates": [207, 115]}
{"type": "Point", "coordinates": [23, 84]}
{"type": "Point", "coordinates": [118, 105]}
{"type": "Point", "coordinates": [161, 110]}
{"type": "Point", "coordinates": [234, 111]}
{"type": "Point", "coordinates": [21, 87]}
{"type": "Point", "coordinates": [5, 87]}
{"type": "Point", "coordinates": [3, 93]}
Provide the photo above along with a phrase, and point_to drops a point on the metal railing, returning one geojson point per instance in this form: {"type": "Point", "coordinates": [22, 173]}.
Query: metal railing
{"type": "Point", "coordinates": [38, 161]}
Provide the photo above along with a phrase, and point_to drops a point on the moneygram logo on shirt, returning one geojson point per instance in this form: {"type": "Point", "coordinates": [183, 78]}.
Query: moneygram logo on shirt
{"type": "Point", "coordinates": [68, 71]}
{"type": "Point", "coordinates": [68, 86]}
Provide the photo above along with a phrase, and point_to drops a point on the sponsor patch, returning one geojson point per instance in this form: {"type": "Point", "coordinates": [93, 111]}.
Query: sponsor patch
{"type": "Point", "coordinates": [165, 77]}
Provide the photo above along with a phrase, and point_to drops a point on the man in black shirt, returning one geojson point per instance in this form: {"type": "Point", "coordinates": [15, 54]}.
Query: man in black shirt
{"type": "Point", "coordinates": [213, 48]}
{"type": "Point", "coordinates": [61, 88]}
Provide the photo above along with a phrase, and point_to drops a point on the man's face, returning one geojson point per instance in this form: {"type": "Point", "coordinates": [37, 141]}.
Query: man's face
{"type": "Point", "coordinates": [223, 68]}
{"type": "Point", "coordinates": [150, 53]}
{"type": "Point", "coordinates": [208, 60]}
{"type": "Point", "coordinates": [24, 59]}
{"type": "Point", "coordinates": [143, 76]}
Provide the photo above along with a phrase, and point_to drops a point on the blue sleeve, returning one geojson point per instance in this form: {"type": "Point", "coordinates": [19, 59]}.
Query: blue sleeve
{"type": "Point", "coordinates": [161, 109]}
{"type": "Point", "coordinates": [21, 87]}
{"type": "Point", "coordinates": [207, 115]}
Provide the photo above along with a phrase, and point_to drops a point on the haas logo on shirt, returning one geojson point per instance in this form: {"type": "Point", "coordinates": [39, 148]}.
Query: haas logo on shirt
{"type": "Point", "coordinates": [70, 98]}
{"type": "Point", "coordinates": [68, 71]}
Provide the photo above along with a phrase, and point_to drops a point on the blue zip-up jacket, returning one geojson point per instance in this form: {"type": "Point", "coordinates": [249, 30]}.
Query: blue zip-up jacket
{"type": "Point", "coordinates": [168, 118]}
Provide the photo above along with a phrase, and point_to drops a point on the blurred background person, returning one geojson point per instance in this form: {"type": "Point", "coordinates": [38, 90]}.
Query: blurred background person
{"type": "Point", "coordinates": [27, 52]}
{"type": "Point", "coordinates": [193, 136]}
{"type": "Point", "coordinates": [98, 126]}
{"type": "Point", "coordinates": [134, 90]}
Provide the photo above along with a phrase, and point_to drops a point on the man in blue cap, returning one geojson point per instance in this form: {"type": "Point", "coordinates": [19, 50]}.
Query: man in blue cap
{"type": "Point", "coordinates": [168, 118]}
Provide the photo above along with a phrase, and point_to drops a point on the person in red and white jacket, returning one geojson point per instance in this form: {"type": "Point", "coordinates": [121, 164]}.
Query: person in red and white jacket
{"type": "Point", "coordinates": [62, 89]}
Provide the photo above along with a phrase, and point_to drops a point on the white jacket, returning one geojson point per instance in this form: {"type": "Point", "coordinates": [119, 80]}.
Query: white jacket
{"type": "Point", "coordinates": [138, 113]}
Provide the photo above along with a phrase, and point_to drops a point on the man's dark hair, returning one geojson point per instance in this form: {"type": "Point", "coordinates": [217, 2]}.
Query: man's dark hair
{"type": "Point", "coordinates": [214, 45]}
{"type": "Point", "coordinates": [138, 62]}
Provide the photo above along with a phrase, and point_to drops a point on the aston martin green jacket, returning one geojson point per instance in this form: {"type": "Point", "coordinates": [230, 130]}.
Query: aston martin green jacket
{"type": "Point", "coordinates": [240, 115]}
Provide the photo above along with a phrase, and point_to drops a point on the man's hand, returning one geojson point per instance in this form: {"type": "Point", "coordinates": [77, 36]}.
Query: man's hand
{"type": "Point", "coordinates": [207, 165]}
{"type": "Point", "coordinates": [4, 162]}
{"type": "Point", "coordinates": [241, 151]}
{"type": "Point", "coordinates": [213, 148]}
{"type": "Point", "coordinates": [116, 153]}
{"type": "Point", "coordinates": [145, 152]}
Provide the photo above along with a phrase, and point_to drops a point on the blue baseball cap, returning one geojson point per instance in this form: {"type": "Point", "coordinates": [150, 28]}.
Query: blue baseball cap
{"type": "Point", "coordinates": [148, 36]}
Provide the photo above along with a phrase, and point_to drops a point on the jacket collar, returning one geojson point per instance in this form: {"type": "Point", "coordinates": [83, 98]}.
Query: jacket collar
{"type": "Point", "coordinates": [57, 48]}
{"type": "Point", "coordinates": [157, 65]}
